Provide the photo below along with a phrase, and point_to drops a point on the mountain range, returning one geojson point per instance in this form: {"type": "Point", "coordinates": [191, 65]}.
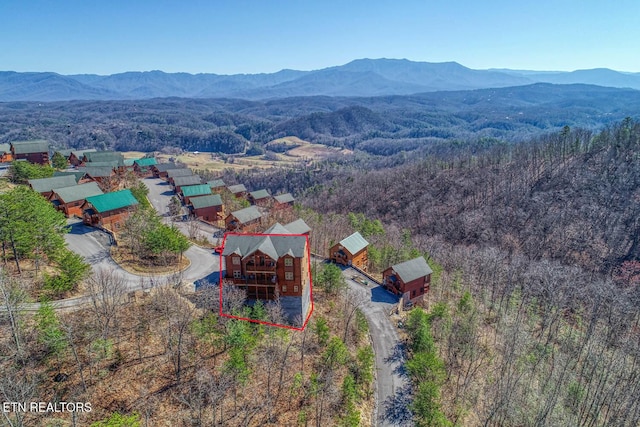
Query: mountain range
{"type": "Point", "coordinates": [362, 77]}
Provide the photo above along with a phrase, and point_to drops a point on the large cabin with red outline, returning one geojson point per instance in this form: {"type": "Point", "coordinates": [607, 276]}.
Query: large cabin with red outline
{"type": "Point", "coordinates": [351, 251]}
{"type": "Point", "coordinates": [269, 266]}
{"type": "Point", "coordinates": [410, 279]}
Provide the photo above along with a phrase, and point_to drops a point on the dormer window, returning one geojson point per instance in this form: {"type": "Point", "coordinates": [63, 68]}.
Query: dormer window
{"type": "Point", "coordinates": [288, 262]}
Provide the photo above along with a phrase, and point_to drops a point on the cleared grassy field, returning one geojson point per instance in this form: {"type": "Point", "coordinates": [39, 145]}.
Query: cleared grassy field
{"type": "Point", "coordinates": [301, 151]}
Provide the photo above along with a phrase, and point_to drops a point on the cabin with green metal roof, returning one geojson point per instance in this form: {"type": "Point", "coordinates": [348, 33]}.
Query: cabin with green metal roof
{"type": "Point", "coordinates": [45, 186]}
{"type": "Point", "coordinates": [207, 208]}
{"type": "Point", "coordinates": [69, 200]}
{"type": "Point", "coordinates": [143, 167]}
{"type": "Point", "coordinates": [109, 210]}
{"type": "Point", "coordinates": [350, 251]}
{"type": "Point", "coordinates": [190, 191]}
{"type": "Point", "coordinates": [35, 151]}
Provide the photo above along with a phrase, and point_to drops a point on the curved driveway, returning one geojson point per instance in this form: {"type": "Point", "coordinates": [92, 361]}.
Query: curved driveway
{"type": "Point", "coordinates": [393, 388]}
{"type": "Point", "coordinates": [94, 244]}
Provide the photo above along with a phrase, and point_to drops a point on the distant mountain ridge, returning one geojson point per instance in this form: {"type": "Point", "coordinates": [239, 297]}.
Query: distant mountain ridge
{"type": "Point", "coordinates": [362, 77]}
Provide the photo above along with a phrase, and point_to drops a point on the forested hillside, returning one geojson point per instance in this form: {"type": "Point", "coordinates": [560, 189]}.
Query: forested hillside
{"type": "Point", "coordinates": [379, 125]}
{"type": "Point", "coordinates": [535, 311]}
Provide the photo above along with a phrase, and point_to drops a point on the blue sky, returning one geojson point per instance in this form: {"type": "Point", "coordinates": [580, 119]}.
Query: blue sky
{"type": "Point", "coordinates": [244, 36]}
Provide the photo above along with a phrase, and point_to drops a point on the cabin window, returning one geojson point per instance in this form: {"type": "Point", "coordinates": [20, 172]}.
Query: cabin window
{"type": "Point", "coordinates": [288, 262]}
{"type": "Point", "coordinates": [236, 260]}
{"type": "Point", "coordinates": [284, 288]}
{"type": "Point", "coordinates": [288, 275]}
{"type": "Point", "coordinates": [295, 289]}
{"type": "Point", "coordinates": [237, 274]}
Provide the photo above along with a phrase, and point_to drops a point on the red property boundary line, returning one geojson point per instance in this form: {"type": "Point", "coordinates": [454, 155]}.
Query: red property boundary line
{"type": "Point", "coordinates": [262, 322]}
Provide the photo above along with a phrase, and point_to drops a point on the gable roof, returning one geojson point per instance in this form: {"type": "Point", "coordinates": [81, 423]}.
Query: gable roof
{"type": "Point", "coordinates": [188, 180]}
{"type": "Point", "coordinates": [238, 188]}
{"type": "Point", "coordinates": [273, 246]}
{"type": "Point", "coordinates": [206, 201]}
{"type": "Point", "coordinates": [298, 227]}
{"type": "Point", "coordinates": [247, 214]}
{"type": "Point", "coordinates": [111, 201]}
{"type": "Point", "coordinates": [77, 153]}
{"type": "Point", "coordinates": [277, 228]}
{"type": "Point", "coordinates": [106, 163]}
{"type": "Point", "coordinates": [174, 173]}
{"type": "Point", "coordinates": [77, 175]}
{"type": "Point", "coordinates": [42, 185]}
{"type": "Point", "coordinates": [26, 147]}
{"type": "Point", "coordinates": [77, 192]}
{"type": "Point", "coordinates": [147, 161]}
{"type": "Point", "coordinates": [104, 156]}
{"type": "Point", "coordinates": [216, 183]}
{"type": "Point", "coordinates": [260, 194]}
{"type": "Point", "coordinates": [354, 243]}
{"type": "Point", "coordinates": [166, 167]}
{"type": "Point", "coordinates": [195, 190]}
{"type": "Point", "coordinates": [412, 269]}
{"type": "Point", "coordinates": [284, 198]}
{"type": "Point", "coordinates": [97, 171]}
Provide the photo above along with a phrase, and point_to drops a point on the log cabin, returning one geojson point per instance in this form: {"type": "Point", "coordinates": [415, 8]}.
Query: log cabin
{"type": "Point", "coordinates": [69, 200]}
{"type": "Point", "coordinates": [247, 220]}
{"type": "Point", "coordinates": [260, 198]}
{"type": "Point", "coordinates": [103, 156]}
{"type": "Point", "coordinates": [217, 186]}
{"type": "Point", "coordinates": [36, 151]}
{"type": "Point", "coordinates": [269, 266]}
{"type": "Point", "coordinates": [161, 169]}
{"type": "Point", "coordinates": [207, 208]}
{"type": "Point", "coordinates": [283, 201]}
{"type": "Point", "coordinates": [238, 190]}
{"type": "Point", "coordinates": [351, 251]}
{"type": "Point", "coordinates": [74, 157]}
{"type": "Point", "coordinates": [184, 181]}
{"type": "Point", "coordinates": [109, 210]}
{"type": "Point", "coordinates": [410, 279]}
{"type": "Point", "coordinates": [45, 186]}
{"type": "Point", "coordinates": [5, 153]}
{"type": "Point", "coordinates": [189, 191]}
{"type": "Point", "coordinates": [142, 167]}
{"type": "Point", "coordinates": [176, 173]}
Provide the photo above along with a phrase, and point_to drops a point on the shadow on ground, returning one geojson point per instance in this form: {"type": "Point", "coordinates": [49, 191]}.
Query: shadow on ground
{"type": "Point", "coordinates": [395, 410]}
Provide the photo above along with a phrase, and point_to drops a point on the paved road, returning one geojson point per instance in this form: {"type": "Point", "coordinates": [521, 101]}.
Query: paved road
{"type": "Point", "coordinates": [93, 245]}
{"type": "Point", "coordinates": [393, 388]}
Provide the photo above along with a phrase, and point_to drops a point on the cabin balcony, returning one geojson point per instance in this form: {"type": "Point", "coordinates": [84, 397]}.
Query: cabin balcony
{"type": "Point", "coordinates": [260, 267]}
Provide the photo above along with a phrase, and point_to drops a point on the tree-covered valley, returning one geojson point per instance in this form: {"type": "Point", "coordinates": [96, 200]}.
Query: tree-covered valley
{"type": "Point", "coordinates": [525, 201]}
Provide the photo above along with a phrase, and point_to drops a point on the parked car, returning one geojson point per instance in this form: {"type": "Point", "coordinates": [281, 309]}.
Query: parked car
{"type": "Point", "coordinates": [219, 250]}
